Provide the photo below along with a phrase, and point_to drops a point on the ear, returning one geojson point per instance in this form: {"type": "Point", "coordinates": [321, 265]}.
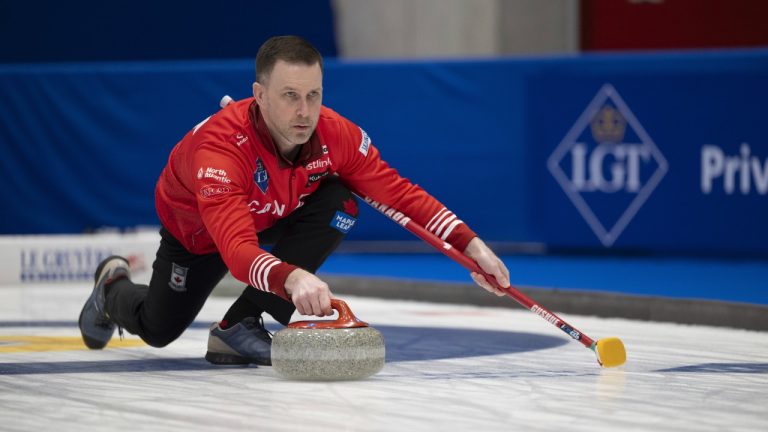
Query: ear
{"type": "Point", "coordinates": [258, 92]}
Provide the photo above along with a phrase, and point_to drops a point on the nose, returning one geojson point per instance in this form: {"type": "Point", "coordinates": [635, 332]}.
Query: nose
{"type": "Point", "coordinates": [303, 108]}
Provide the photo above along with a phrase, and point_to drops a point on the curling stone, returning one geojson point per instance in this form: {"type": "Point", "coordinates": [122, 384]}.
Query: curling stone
{"type": "Point", "coordinates": [328, 350]}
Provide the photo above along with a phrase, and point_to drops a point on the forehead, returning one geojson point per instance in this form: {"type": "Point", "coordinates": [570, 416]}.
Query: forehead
{"type": "Point", "coordinates": [296, 75]}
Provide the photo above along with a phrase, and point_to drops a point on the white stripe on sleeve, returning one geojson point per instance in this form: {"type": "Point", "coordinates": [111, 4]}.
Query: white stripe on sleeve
{"type": "Point", "coordinates": [260, 268]}
{"type": "Point", "coordinates": [453, 225]}
{"type": "Point", "coordinates": [429, 224]}
{"type": "Point", "coordinates": [265, 273]}
{"type": "Point", "coordinates": [444, 213]}
{"type": "Point", "coordinates": [447, 220]}
{"type": "Point", "coordinates": [254, 265]}
{"type": "Point", "coordinates": [260, 271]}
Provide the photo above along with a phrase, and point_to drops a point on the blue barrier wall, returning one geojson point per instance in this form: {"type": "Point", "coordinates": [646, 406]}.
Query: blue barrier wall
{"type": "Point", "coordinates": [88, 30]}
{"type": "Point", "coordinates": [658, 153]}
{"type": "Point", "coordinates": [663, 153]}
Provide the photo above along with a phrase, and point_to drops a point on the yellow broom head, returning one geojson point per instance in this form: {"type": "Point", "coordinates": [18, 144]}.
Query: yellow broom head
{"type": "Point", "coordinates": [611, 352]}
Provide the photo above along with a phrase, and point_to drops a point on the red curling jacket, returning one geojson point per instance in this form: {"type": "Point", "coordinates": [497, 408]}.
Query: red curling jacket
{"type": "Point", "coordinates": [225, 182]}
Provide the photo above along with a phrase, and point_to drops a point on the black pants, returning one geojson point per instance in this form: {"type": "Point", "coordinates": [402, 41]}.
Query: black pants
{"type": "Point", "coordinates": [159, 314]}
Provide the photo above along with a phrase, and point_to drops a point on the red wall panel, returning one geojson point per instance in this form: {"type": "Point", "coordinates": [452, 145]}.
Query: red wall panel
{"type": "Point", "coordinates": [655, 24]}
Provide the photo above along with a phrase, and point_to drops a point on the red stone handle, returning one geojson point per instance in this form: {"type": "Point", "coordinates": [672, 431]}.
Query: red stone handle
{"type": "Point", "coordinates": [346, 319]}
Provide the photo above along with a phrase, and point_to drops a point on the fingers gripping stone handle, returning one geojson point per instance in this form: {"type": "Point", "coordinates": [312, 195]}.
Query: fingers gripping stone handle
{"type": "Point", "coordinates": [346, 319]}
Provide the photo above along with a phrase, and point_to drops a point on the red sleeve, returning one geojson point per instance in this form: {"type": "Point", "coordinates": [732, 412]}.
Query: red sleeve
{"type": "Point", "coordinates": [222, 184]}
{"type": "Point", "coordinates": [363, 170]}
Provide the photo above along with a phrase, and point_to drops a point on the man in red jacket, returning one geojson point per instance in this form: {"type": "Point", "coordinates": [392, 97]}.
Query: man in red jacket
{"type": "Point", "coordinates": [279, 169]}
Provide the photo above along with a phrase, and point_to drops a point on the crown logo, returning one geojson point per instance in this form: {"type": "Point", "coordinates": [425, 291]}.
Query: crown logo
{"type": "Point", "coordinates": [608, 125]}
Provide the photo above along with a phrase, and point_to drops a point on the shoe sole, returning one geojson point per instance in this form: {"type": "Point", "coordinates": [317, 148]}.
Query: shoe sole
{"type": "Point", "coordinates": [231, 359]}
{"type": "Point", "coordinates": [91, 343]}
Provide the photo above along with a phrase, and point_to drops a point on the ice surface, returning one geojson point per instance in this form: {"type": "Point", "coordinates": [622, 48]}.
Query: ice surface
{"type": "Point", "coordinates": [449, 367]}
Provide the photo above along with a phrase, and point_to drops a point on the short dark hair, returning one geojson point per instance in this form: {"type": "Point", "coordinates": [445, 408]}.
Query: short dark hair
{"type": "Point", "coordinates": [291, 49]}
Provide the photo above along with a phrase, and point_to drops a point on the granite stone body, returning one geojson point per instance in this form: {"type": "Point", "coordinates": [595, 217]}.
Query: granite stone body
{"type": "Point", "coordinates": [328, 354]}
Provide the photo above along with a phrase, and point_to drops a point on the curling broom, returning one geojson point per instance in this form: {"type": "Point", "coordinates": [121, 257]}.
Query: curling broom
{"type": "Point", "coordinates": [610, 351]}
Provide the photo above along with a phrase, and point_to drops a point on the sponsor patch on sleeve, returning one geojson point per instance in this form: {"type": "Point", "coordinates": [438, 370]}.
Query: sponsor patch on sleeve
{"type": "Point", "coordinates": [365, 143]}
{"type": "Point", "coordinates": [216, 174]}
{"type": "Point", "coordinates": [343, 222]}
{"type": "Point", "coordinates": [211, 190]}
{"type": "Point", "coordinates": [238, 138]}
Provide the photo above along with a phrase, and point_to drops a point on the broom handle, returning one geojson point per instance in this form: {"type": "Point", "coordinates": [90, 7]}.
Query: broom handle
{"type": "Point", "coordinates": [469, 264]}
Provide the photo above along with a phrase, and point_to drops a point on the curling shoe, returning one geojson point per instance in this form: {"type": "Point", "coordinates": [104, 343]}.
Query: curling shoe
{"type": "Point", "coordinates": [95, 325]}
{"type": "Point", "coordinates": [246, 342]}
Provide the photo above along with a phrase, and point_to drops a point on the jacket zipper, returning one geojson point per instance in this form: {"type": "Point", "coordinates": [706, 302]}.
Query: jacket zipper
{"type": "Point", "coordinates": [290, 189]}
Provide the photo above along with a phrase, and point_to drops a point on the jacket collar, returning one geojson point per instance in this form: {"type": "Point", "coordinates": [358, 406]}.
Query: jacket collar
{"type": "Point", "coordinates": [311, 150]}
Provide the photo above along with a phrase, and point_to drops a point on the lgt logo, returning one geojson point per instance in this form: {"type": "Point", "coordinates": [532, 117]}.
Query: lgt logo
{"type": "Point", "coordinates": [608, 165]}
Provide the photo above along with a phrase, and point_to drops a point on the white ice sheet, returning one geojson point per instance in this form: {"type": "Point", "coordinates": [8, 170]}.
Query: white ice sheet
{"type": "Point", "coordinates": [450, 367]}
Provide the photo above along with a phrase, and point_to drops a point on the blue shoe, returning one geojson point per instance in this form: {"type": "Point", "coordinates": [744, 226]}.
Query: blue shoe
{"type": "Point", "coordinates": [95, 326]}
{"type": "Point", "coordinates": [244, 343]}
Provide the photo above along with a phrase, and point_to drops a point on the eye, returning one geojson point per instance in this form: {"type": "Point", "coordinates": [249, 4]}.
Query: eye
{"type": "Point", "coordinates": [290, 94]}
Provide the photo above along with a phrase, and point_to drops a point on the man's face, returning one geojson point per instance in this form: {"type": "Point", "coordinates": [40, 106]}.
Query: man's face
{"type": "Point", "coordinates": [290, 100]}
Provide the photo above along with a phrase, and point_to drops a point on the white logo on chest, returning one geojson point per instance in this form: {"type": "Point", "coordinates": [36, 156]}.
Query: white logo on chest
{"type": "Point", "coordinates": [272, 207]}
{"type": "Point", "coordinates": [319, 163]}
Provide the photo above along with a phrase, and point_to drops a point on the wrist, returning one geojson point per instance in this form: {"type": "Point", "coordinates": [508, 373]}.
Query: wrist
{"type": "Point", "coordinates": [278, 279]}
{"type": "Point", "coordinates": [474, 247]}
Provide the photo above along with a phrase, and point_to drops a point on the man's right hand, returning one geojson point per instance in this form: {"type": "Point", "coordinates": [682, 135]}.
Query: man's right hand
{"type": "Point", "coordinates": [308, 293]}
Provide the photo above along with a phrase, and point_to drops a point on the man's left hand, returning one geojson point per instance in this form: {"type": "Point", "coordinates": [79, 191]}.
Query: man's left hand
{"type": "Point", "coordinates": [490, 263]}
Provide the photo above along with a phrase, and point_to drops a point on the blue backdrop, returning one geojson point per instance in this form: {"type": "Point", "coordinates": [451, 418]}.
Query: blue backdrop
{"type": "Point", "coordinates": [659, 153]}
{"type": "Point", "coordinates": [89, 30]}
